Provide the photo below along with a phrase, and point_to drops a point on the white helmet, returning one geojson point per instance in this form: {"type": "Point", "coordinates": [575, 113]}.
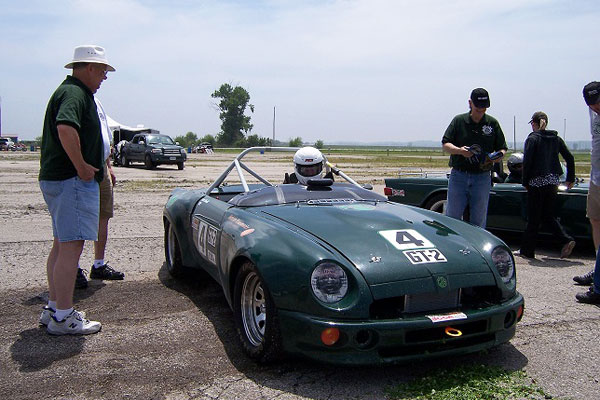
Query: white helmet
{"type": "Point", "coordinates": [308, 163]}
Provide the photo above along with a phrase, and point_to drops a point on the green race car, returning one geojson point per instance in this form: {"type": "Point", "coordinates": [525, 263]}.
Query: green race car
{"type": "Point", "coordinates": [336, 273]}
{"type": "Point", "coordinates": [507, 206]}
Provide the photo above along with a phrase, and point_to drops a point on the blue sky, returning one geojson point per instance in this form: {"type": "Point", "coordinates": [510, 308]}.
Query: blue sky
{"type": "Point", "coordinates": [354, 70]}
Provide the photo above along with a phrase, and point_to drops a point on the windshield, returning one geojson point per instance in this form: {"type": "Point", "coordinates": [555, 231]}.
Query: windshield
{"type": "Point", "coordinates": [314, 195]}
{"type": "Point", "coordinates": [159, 139]}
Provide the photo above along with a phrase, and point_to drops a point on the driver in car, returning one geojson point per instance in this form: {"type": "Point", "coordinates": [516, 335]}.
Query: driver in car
{"type": "Point", "coordinates": [308, 164]}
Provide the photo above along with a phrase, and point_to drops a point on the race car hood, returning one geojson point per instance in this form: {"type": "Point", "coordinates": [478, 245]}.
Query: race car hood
{"type": "Point", "coordinates": [391, 242]}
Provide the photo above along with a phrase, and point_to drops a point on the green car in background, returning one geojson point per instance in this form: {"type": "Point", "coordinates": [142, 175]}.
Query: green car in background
{"type": "Point", "coordinates": [336, 273]}
{"type": "Point", "coordinates": [507, 210]}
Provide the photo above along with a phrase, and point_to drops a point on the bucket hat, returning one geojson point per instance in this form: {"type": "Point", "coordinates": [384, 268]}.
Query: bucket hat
{"type": "Point", "coordinates": [89, 53]}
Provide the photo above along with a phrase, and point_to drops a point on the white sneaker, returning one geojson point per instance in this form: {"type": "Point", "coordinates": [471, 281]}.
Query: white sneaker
{"type": "Point", "coordinates": [47, 313]}
{"type": "Point", "coordinates": [74, 324]}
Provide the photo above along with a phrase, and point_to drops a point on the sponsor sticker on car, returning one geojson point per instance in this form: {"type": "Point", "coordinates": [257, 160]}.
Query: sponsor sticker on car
{"type": "Point", "coordinates": [453, 316]}
{"type": "Point", "coordinates": [415, 247]}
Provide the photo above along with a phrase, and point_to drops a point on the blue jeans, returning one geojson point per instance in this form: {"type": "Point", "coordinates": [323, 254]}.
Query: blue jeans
{"type": "Point", "coordinates": [472, 189]}
{"type": "Point", "coordinates": [74, 206]}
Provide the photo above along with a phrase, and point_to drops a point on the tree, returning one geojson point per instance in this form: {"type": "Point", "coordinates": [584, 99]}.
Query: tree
{"type": "Point", "coordinates": [319, 144]}
{"type": "Point", "coordinates": [208, 139]}
{"type": "Point", "coordinates": [297, 142]}
{"type": "Point", "coordinates": [190, 139]}
{"type": "Point", "coordinates": [232, 104]}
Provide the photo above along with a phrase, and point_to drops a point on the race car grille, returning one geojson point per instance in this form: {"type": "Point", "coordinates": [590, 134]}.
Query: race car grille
{"type": "Point", "coordinates": [465, 298]}
{"type": "Point", "coordinates": [415, 303]}
{"type": "Point", "coordinates": [171, 152]}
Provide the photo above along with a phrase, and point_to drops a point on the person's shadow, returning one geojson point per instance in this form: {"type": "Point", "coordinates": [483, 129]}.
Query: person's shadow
{"type": "Point", "coordinates": [35, 349]}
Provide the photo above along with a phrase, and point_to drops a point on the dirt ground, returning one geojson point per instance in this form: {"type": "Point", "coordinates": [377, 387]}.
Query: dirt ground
{"type": "Point", "coordinates": [169, 339]}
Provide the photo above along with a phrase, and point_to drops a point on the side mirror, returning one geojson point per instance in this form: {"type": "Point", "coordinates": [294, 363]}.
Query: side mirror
{"type": "Point", "coordinates": [142, 142]}
{"type": "Point", "coordinates": [367, 186]}
{"type": "Point", "coordinates": [177, 143]}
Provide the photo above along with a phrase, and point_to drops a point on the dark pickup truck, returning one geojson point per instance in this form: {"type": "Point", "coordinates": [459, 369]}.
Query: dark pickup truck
{"type": "Point", "coordinates": [151, 149]}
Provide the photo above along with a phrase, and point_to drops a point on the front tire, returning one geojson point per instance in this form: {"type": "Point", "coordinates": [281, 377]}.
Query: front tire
{"type": "Point", "coordinates": [180, 166]}
{"type": "Point", "coordinates": [173, 253]}
{"type": "Point", "coordinates": [149, 163]}
{"type": "Point", "coordinates": [255, 316]}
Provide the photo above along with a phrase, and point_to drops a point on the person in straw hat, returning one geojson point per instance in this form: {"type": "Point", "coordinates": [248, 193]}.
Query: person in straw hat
{"type": "Point", "coordinates": [71, 167]}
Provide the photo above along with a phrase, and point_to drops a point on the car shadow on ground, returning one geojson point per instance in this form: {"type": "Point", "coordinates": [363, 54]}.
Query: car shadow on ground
{"type": "Point", "coordinates": [309, 378]}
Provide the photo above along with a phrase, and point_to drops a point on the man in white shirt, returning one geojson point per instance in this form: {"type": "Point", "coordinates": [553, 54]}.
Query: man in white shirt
{"type": "Point", "coordinates": [100, 268]}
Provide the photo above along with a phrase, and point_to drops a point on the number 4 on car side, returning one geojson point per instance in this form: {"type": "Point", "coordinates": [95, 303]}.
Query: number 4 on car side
{"type": "Point", "coordinates": [334, 272]}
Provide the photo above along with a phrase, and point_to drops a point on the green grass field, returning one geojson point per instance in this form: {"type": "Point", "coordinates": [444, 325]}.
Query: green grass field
{"type": "Point", "coordinates": [410, 157]}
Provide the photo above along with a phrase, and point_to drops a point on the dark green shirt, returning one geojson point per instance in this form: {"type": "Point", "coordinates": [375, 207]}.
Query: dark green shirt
{"type": "Point", "coordinates": [71, 104]}
{"type": "Point", "coordinates": [463, 131]}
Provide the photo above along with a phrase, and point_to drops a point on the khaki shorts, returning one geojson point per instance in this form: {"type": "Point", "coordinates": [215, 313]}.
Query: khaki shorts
{"type": "Point", "coordinates": [106, 196]}
{"type": "Point", "coordinates": [593, 202]}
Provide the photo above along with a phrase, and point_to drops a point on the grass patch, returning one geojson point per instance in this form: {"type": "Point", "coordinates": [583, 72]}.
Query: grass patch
{"type": "Point", "coordinates": [470, 382]}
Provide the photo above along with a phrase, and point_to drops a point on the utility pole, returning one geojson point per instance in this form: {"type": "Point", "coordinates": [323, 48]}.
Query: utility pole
{"type": "Point", "coordinates": [273, 144]}
{"type": "Point", "coordinates": [514, 133]}
{"type": "Point", "coordinates": [565, 131]}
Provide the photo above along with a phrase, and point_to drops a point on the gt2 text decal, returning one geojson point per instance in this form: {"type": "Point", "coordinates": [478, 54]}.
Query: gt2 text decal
{"type": "Point", "coordinates": [416, 247]}
{"type": "Point", "coordinates": [424, 256]}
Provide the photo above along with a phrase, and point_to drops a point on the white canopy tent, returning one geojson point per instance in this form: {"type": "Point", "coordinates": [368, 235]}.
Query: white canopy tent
{"type": "Point", "coordinates": [114, 125]}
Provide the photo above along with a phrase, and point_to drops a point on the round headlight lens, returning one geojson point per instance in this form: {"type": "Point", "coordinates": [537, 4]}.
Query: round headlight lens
{"type": "Point", "coordinates": [329, 282]}
{"type": "Point", "coordinates": [504, 263]}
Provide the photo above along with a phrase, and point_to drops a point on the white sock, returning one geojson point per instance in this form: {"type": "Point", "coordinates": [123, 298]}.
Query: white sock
{"type": "Point", "coordinates": [62, 314]}
{"type": "Point", "coordinates": [52, 304]}
{"type": "Point", "coordinates": [98, 263]}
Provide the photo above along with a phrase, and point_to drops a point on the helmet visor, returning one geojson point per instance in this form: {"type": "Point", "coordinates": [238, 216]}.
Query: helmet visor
{"type": "Point", "coordinates": [309, 170]}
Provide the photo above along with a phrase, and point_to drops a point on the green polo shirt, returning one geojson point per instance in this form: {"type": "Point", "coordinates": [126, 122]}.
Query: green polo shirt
{"type": "Point", "coordinates": [463, 131]}
{"type": "Point", "coordinates": [71, 104]}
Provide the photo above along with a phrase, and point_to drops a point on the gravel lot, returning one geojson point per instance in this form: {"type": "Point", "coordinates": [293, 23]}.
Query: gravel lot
{"type": "Point", "coordinates": [167, 339]}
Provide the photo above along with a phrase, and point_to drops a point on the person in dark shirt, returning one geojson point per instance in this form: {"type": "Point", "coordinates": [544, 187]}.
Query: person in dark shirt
{"type": "Point", "coordinates": [541, 177]}
{"type": "Point", "coordinates": [71, 167]}
{"type": "Point", "coordinates": [469, 138]}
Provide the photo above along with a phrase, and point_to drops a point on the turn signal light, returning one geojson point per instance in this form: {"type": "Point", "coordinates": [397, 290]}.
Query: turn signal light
{"type": "Point", "coordinates": [519, 313]}
{"type": "Point", "coordinates": [330, 336]}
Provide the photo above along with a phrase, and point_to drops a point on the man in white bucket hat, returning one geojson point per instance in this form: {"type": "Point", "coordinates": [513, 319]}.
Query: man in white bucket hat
{"type": "Point", "coordinates": [71, 167]}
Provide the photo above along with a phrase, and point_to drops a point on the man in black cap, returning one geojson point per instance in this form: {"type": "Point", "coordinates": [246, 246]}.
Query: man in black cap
{"type": "Point", "coordinates": [470, 139]}
{"type": "Point", "coordinates": [591, 95]}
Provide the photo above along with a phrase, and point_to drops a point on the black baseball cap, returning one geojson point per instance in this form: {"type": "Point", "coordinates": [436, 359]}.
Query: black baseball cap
{"type": "Point", "coordinates": [591, 93]}
{"type": "Point", "coordinates": [480, 98]}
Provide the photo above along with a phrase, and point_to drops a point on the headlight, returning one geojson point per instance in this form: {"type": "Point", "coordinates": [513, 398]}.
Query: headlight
{"type": "Point", "coordinates": [157, 151]}
{"type": "Point", "coordinates": [329, 282]}
{"type": "Point", "coordinates": [182, 151]}
{"type": "Point", "coordinates": [504, 263]}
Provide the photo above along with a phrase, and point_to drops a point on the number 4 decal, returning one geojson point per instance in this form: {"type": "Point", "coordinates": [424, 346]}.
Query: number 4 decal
{"type": "Point", "coordinates": [406, 239]}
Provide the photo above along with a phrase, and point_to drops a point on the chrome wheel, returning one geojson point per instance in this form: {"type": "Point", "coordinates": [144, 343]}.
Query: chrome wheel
{"type": "Point", "coordinates": [253, 309]}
